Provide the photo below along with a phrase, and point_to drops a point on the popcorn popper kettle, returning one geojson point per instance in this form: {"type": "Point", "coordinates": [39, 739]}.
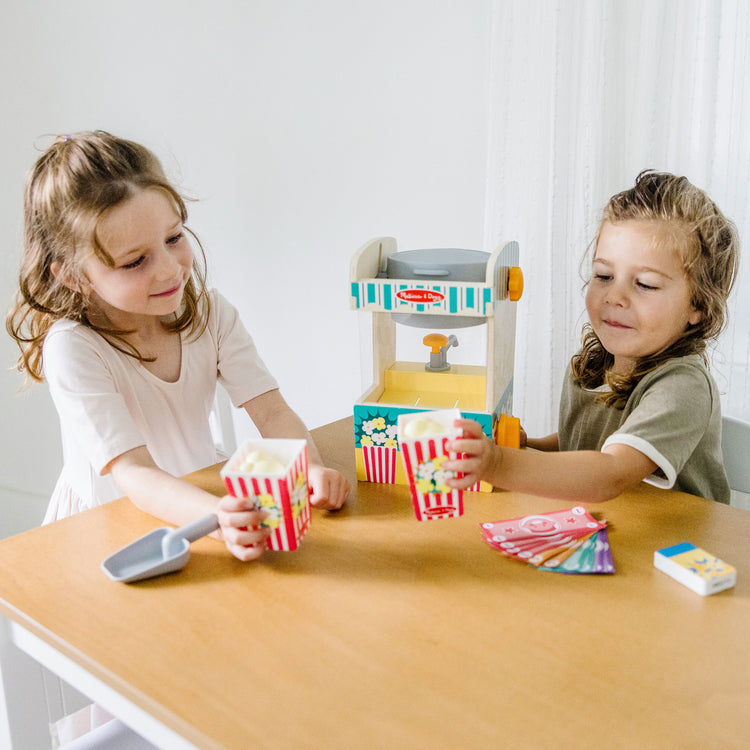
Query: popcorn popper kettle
{"type": "Point", "coordinates": [438, 289]}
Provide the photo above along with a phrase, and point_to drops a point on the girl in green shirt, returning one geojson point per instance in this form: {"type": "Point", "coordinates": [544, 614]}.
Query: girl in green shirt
{"type": "Point", "coordinates": [639, 402]}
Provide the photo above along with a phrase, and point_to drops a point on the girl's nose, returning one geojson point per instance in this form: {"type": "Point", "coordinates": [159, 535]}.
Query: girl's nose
{"type": "Point", "coordinates": [617, 295]}
{"type": "Point", "coordinates": [168, 264]}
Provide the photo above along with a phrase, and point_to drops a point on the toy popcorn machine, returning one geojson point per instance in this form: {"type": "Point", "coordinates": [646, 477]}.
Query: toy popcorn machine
{"type": "Point", "coordinates": [434, 289]}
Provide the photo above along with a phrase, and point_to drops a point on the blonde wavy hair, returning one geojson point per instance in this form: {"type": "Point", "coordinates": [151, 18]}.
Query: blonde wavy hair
{"type": "Point", "coordinates": [77, 179]}
{"type": "Point", "coordinates": [688, 220]}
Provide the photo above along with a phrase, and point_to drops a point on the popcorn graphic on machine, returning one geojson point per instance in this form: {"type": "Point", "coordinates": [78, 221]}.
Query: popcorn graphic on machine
{"type": "Point", "coordinates": [440, 290]}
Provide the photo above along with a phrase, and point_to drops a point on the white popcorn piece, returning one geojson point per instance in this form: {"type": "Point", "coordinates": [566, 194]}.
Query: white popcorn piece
{"type": "Point", "coordinates": [259, 462]}
{"type": "Point", "coordinates": [423, 426]}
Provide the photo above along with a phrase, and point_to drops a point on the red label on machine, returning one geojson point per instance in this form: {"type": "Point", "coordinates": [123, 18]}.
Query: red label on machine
{"type": "Point", "coordinates": [420, 295]}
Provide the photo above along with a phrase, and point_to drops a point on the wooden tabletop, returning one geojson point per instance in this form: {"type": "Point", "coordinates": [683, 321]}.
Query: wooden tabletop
{"type": "Point", "coordinates": [383, 632]}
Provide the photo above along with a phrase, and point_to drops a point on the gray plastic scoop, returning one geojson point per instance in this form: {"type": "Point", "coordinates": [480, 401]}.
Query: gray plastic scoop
{"type": "Point", "coordinates": [160, 551]}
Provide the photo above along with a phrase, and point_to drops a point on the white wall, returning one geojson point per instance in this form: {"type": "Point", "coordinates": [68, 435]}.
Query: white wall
{"type": "Point", "coordinates": [304, 129]}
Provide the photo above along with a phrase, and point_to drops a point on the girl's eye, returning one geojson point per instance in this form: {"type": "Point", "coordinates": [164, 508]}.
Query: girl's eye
{"type": "Point", "coordinates": [135, 263]}
{"type": "Point", "coordinates": [174, 239]}
{"type": "Point", "coordinates": [647, 287]}
{"type": "Point", "coordinates": [602, 277]}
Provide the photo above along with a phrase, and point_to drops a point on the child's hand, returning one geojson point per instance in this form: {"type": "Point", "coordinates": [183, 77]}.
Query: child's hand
{"type": "Point", "coordinates": [240, 527]}
{"type": "Point", "coordinates": [480, 456]}
{"type": "Point", "coordinates": [328, 488]}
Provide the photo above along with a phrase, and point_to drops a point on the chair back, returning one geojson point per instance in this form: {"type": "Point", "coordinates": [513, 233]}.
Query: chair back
{"type": "Point", "coordinates": [222, 425]}
{"type": "Point", "coordinates": [735, 445]}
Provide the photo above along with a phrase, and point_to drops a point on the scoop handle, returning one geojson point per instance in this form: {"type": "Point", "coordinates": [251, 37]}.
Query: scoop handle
{"type": "Point", "coordinates": [171, 541]}
{"type": "Point", "coordinates": [198, 528]}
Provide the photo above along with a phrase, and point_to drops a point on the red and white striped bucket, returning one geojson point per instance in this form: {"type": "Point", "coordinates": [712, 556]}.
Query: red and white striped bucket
{"type": "Point", "coordinates": [284, 496]}
{"type": "Point", "coordinates": [423, 458]}
{"type": "Point", "coordinates": [380, 463]}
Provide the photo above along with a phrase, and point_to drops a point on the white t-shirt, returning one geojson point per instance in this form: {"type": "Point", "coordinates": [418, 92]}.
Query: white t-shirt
{"type": "Point", "coordinates": [108, 403]}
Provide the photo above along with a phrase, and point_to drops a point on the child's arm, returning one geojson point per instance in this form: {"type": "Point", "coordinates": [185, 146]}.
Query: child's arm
{"type": "Point", "coordinates": [548, 443]}
{"type": "Point", "coordinates": [583, 476]}
{"type": "Point", "coordinates": [274, 418]}
{"type": "Point", "coordinates": [178, 502]}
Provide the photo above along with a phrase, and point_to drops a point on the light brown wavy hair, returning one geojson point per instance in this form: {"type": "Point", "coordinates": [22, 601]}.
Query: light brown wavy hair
{"type": "Point", "coordinates": [688, 220]}
{"type": "Point", "coordinates": [77, 179]}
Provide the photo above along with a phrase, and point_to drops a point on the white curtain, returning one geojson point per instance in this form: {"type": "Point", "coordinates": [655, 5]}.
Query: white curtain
{"type": "Point", "coordinates": [585, 94]}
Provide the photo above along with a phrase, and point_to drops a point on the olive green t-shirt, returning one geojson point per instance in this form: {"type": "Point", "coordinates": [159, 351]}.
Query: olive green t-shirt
{"type": "Point", "coordinates": [673, 416]}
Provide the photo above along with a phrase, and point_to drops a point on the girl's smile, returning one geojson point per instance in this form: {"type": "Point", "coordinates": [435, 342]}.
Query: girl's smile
{"type": "Point", "coordinates": [169, 292]}
{"type": "Point", "coordinates": [639, 299]}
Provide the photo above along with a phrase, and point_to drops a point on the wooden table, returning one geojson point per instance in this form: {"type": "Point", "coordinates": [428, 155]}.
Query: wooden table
{"type": "Point", "coordinates": [383, 632]}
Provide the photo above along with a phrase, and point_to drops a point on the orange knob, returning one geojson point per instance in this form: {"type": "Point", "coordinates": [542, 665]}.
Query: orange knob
{"type": "Point", "coordinates": [515, 283]}
{"type": "Point", "coordinates": [435, 341]}
{"type": "Point", "coordinates": [508, 431]}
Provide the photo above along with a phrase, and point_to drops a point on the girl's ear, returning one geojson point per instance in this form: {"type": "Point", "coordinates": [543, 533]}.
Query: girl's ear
{"type": "Point", "coordinates": [66, 278]}
{"type": "Point", "coordinates": [695, 317]}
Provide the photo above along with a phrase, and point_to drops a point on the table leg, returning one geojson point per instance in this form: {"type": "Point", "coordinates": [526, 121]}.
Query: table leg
{"type": "Point", "coordinates": [23, 714]}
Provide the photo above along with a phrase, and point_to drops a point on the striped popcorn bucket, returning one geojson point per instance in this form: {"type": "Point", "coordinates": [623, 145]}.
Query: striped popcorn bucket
{"type": "Point", "coordinates": [423, 457]}
{"type": "Point", "coordinates": [284, 495]}
{"type": "Point", "coordinates": [380, 463]}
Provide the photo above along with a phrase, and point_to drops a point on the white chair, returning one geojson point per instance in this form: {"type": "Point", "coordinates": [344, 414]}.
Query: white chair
{"type": "Point", "coordinates": [222, 425]}
{"type": "Point", "coordinates": [735, 445]}
{"type": "Point", "coordinates": [113, 735]}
